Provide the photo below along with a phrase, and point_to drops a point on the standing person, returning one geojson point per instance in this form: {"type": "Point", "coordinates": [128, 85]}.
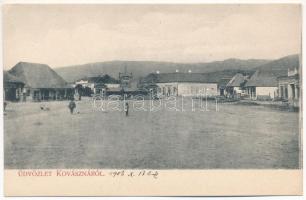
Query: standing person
{"type": "Point", "coordinates": [72, 105]}
{"type": "Point", "coordinates": [126, 109]}
{"type": "Point", "coordinates": [4, 105]}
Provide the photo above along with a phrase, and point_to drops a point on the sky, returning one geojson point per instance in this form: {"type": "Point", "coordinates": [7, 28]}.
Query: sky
{"type": "Point", "coordinates": [64, 35]}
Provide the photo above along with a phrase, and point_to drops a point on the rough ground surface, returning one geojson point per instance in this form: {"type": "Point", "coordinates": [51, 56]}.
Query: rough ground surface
{"type": "Point", "coordinates": [235, 137]}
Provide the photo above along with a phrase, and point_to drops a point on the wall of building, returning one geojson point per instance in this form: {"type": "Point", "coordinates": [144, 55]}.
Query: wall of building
{"type": "Point", "coordinates": [13, 92]}
{"type": "Point", "coordinates": [239, 90]}
{"type": "Point", "coordinates": [267, 91]}
{"type": "Point", "coordinates": [289, 88]}
{"type": "Point", "coordinates": [187, 89]}
{"type": "Point", "coordinates": [289, 91]}
{"type": "Point", "coordinates": [194, 89]}
{"type": "Point", "coordinates": [37, 94]}
{"type": "Point", "coordinates": [251, 91]}
{"type": "Point", "coordinates": [112, 85]}
{"type": "Point", "coordinates": [167, 89]}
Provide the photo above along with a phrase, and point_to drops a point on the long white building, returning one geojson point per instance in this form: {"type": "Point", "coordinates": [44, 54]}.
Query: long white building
{"type": "Point", "coordinates": [184, 84]}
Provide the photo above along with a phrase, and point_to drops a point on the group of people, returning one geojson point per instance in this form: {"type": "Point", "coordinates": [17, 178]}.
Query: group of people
{"type": "Point", "coordinates": [72, 106]}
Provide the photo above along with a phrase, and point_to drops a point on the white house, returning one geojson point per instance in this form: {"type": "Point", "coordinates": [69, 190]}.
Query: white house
{"type": "Point", "coordinates": [185, 84]}
{"type": "Point", "coordinates": [262, 86]}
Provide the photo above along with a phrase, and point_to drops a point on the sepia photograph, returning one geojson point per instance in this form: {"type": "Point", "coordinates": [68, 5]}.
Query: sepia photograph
{"type": "Point", "coordinates": [163, 87]}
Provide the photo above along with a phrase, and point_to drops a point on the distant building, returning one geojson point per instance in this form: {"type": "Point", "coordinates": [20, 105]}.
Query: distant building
{"type": "Point", "coordinates": [262, 86]}
{"type": "Point", "coordinates": [98, 84]}
{"type": "Point", "coordinates": [236, 86]}
{"type": "Point", "coordinates": [125, 79]}
{"type": "Point", "coordinates": [184, 84]}
{"type": "Point", "coordinates": [289, 86]}
{"type": "Point", "coordinates": [13, 87]}
{"type": "Point", "coordinates": [222, 86]}
{"type": "Point", "coordinates": [85, 82]}
{"type": "Point", "coordinates": [128, 86]}
{"type": "Point", "coordinates": [41, 82]}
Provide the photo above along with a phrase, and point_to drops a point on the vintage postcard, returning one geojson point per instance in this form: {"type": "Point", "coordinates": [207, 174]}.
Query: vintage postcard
{"type": "Point", "coordinates": [196, 99]}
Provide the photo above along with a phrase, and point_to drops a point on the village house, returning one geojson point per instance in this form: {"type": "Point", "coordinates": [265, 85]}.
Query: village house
{"type": "Point", "coordinates": [262, 86]}
{"type": "Point", "coordinates": [289, 86]}
{"type": "Point", "coordinates": [13, 87]}
{"type": "Point", "coordinates": [97, 84]}
{"type": "Point", "coordinates": [41, 82]}
{"type": "Point", "coordinates": [235, 88]}
{"type": "Point", "coordinates": [184, 84]}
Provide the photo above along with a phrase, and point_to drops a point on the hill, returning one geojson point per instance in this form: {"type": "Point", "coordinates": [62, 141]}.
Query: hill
{"type": "Point", "coordinates": [143, 68]}
{"type": "Point", "coordinates": [280, 66]}
{"type": "Point", "coordinates": [267, 74]}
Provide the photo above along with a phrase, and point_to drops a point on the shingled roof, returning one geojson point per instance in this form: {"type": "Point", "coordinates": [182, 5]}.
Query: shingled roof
{"type": "Point", "coordinates": [9, 78]}
{"type": "Point", "coordinates": [237, 81]}
{"type": "Point", "coordinates": [36, 75]}
{"type": "Point", "coordinates": [181, 77]}
{"type": "Point", "coordinates": [262, 80]}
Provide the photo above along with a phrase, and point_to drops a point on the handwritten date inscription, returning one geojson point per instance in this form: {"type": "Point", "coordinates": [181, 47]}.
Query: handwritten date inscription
{"type": "Point", "coordinates": [141, 173]}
